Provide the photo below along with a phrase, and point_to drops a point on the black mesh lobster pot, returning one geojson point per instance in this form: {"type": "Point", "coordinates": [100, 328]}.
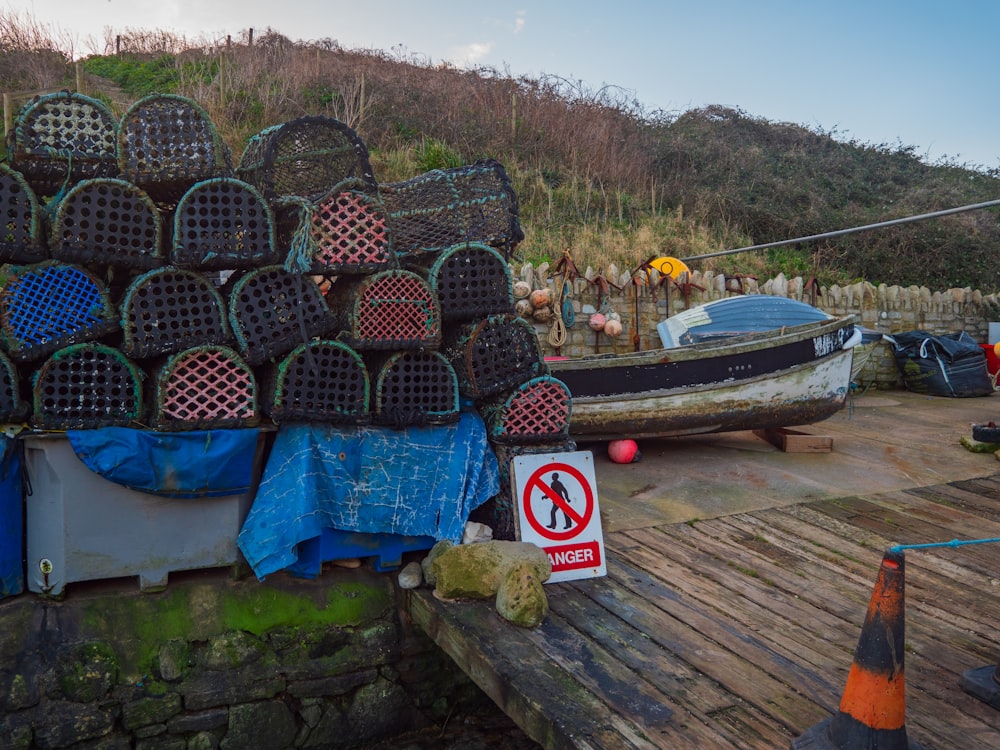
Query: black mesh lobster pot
{"type": "Point", "coordinates": [86, 386]}
{"type": "Point", "coordinates": [319, 381]}
{"type": "Point", "coordinates": [107, 220]}
{"type": "Point", "coordinates": [271, 311]}
{"type": "Point", "coordinates": [445, 207]}
{"type": "Point", "coordinates": [471, 281]}
{"type": "Point", "coordinates": [224, 223]}
{"type": "Point", "coordinates": [63, 138]}
{"type": "Point", "coordinates": [536, 411]}
{"type": "Point", "coordinates": [167, 143]}
{"type": "Point", "coordinates": [168, 310]}
{"type": "Point", "coordinates": [346, 232]}
{"type": "Point", "coordinates": [413, 388]}
{"type": "Point", "coordinates": [22, 239]}
{"type": "Point", "coordinates": [387, 310]}
{"type": "Point", "coordinates": [306, 157]}
{"type": "Point", "coordinates": [13, 408]}
{"type": "Point", "coordinates": [202, 388]}
{"type": "Point", "coordinates": [50, 305]}
{"type": "Point", "coordinates": [494, 355]}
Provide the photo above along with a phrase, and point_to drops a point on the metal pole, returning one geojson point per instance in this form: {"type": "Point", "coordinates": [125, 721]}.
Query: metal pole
{"type": "Point", "coordinates": [839, 232]}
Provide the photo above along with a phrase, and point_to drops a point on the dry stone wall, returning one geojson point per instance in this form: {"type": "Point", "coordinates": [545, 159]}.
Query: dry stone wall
{"type": "Point", "coordinates": [642, 303]}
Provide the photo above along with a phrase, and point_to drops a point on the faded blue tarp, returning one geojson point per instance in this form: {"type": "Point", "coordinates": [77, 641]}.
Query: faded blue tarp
{"type": "Point", "coordinates": [11, 519]}
{"type": "Point", "coordinates": [418, 481]}
{"type": "Point", "coordinates": [201, 463]}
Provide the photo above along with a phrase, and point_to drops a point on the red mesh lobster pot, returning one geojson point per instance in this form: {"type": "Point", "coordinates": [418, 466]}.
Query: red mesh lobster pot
{"type": "Point", "coordinates": [223, 224]}
{"type": "Point", "coordinates": [50, 305]}
{"type": "Point", "coordinates": [271, 311]}
{"type": "Point", "coordinates": [346, 232]}
{"type": "Point", "coordinates": [168, 310]}
{"type": "Point", "coordinates": [319, 381]}
{"type": "Point", "coordinates": [494, 355]}
{"type": "Point", "coordinates": [87, 386]}
{"type": "Point", "coordinates": [106, 220]}
{"type": "Point", "coordinates": [414, 388]}
{"type": "Point", "coordinates": [471, 281]}
{"type": "Point", "coordinates": [63, 135]}
{"type": "Point", "coordinates": [306, 157]}
{"type": "Point", "coordinates": [387, 310]}
{"type": "Point", "coordinates": [205, 387]}
{"type": "Point", "coordinates": [536, 411]}
{"type": "Point", "coordinates": [166, 144]}
{"type": "Point", "coordinates": [22, 239]}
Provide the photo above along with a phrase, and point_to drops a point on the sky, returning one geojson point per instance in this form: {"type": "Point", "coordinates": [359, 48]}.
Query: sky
{"type": "Point", "coordinates": [920, 74]}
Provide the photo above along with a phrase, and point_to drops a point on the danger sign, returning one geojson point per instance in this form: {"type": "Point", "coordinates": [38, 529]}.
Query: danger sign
{"type": "Point", "coordinates": [557, 510]}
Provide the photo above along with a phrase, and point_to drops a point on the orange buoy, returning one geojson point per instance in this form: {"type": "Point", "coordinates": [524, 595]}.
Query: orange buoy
{"type": "Point", "coordinates": [540, 297]}
{"type": "Point", "coordinates": [624, 451]}
{"type": "Point", "coordinates": [612, 327]}
{"type": "Point", "coordinates": [996, 348]}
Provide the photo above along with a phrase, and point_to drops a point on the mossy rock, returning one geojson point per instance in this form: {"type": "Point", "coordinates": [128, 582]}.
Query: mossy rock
{"type": "Point", "coordinates": [521, 598]}
{"type": "Point", "coordinates": [475, 570]}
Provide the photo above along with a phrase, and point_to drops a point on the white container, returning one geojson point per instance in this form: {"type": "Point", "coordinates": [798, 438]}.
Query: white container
{"type": "Point", "coordinates": [994, 333]}
{"type": "Point", "coordinates": [83, 527]}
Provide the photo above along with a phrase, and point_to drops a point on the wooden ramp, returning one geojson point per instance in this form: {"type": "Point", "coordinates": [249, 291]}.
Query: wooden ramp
{"type": "Point", "coordinates": [738, 632]}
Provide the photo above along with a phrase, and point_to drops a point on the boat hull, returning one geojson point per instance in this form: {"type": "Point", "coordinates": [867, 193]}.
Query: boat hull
{"type": "Point", "coordinates": [761, 381]}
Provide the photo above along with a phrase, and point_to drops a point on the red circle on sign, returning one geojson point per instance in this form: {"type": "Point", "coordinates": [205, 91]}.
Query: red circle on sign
{"type": "Point", "coordinates": [535, 481]}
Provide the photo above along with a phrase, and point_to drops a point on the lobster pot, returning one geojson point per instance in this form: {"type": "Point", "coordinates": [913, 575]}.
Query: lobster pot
{"type": "Point", "coordinates": [271, 311]}
{"type": "Point", "coordinates": [319, 381]}
{"type": "Point", "coordinates": [536, 411]}
{"type": "Point", "coordinates": [50, 305]}
{"type": "Point", "coordinates": [86, 386]}
{"type": "Point", "coordinates": [306, 157]}
{"type": "Point", "coordinates": [446, 207]}
{"type": "Point", "coordinates": [168, 310]}
{"type": "Point", "coordinates": [224, 223]}
{"type": "Point", "coordinates": [13, 408]}
{"type": "Point", "coordinates": [387, 310]}
{"type": "Point", "coordinates": [494, 355]}
{"type": "Point", "coordinates": [106, 220]}
{"type": "Point", "coordinates": [205, 387]}
{"type": "Point", "coordinates": [414, 388]}
{"type": "Point", "coordinates": [167, 143]}
{"type": "Point", "coordinates": [63, 137]}
{"type": "Point", "coordinates": [345, 232]}
{"type": "Point", "coordinates": [22, 239]}
{"type": "Point", "coordinates": [500, 512]}
{"type": "Point", "coordinates": [471, 281]}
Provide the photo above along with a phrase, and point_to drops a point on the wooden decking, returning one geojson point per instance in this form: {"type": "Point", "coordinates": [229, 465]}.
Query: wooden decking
{"type": "Point", "coordinates": [738, 631]}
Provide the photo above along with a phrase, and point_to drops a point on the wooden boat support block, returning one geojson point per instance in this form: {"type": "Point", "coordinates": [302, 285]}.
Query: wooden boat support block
{"type": "Point", "coordinates": [794, 441]}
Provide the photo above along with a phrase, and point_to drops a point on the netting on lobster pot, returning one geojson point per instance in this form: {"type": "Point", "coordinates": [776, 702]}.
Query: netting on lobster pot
{"type": "Point", "coordinates": [50, 305]}
{"type": "Point", "coordinates": [536, 411]}
{"type": "Point", "coordinates": [494, 355]}
{"type": "Point", "coordinates": [166, 144]}
{"type": "Point", "coordinates": [224, 223]}
{"type": "Point", "coordinates": [168, 310]}
{"type": "Point", "coordinates": [202, 388]}
{"type": "Point", "coordinates": [13, 408]}
{"type": "Point", "coordinates": [86, 386]}
{"type": "Point", "coordinates": [471, 281]}
{"type": "Point", "coordinates": [413, 388]}
{"type": "Point", "coordinates": [387, 310]}
{"type": "Point", "coordinates": [445, 207]}
{"type": "Point", "coordinates": [344, 232]}
{"type": "Point", "coordinates": [305, 157]}
{"type": "Point", "coordinates": [22, 237]}
{"type": "Point", "coordinates": [59, 139]}
{"type": "Point", "coordinates": [319, 381]}
{"type": "Point", "coordinates": [272, 310]}
{"type": "Point", "coordinates": [107, 220]}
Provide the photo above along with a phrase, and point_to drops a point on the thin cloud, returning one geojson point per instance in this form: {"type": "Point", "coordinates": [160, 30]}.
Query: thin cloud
{"type": "Point", "coordinates": [520, 21]}
{"type": "Point", "coordinates": [472, 53]}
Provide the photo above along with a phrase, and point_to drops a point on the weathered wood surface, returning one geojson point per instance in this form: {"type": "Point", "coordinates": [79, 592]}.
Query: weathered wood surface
{"type": "Point", "coordinates": [738, 632]}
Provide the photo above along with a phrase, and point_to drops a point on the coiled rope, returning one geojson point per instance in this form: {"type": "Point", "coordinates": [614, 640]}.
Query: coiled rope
{"type": "Point", "coordinates": [557, 331]}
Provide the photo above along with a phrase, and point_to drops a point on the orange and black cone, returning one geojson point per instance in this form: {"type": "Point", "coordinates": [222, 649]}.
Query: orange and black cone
{"type": "Point", "coordinates": [872, 713]}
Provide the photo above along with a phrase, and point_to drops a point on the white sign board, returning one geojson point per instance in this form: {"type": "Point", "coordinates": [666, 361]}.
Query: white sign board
{"type": "Point", "coordinates": [556, 496]}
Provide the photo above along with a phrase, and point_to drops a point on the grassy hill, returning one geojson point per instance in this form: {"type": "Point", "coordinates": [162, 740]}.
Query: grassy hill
{"type": "Point", "coordinates": [594, 172]}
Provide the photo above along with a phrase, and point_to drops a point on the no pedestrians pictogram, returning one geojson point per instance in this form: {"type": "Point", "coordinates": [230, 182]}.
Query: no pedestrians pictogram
{"type": "Point", "coordinates": [571, 497]}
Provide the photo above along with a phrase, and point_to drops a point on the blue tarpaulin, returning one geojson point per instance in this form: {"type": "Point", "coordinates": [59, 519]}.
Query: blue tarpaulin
{"type": "Point", "coordinates": [418, 481]}
{"type": "Point", "coordinates": [201, 463]}
{"type": "Point", "coordinates": [11, 519]}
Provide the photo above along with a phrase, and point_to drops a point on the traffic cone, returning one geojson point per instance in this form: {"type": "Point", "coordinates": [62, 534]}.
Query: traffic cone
{"type": "Point", "coordinates": [872, 711]}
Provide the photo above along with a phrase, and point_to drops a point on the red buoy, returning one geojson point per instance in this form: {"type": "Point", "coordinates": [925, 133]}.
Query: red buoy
{"type": "Point", "coordinates": [624, 451]}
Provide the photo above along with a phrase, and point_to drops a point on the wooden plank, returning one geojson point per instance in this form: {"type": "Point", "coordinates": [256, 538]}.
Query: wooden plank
{"type": "Point", "coordinates": [795, 441]}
